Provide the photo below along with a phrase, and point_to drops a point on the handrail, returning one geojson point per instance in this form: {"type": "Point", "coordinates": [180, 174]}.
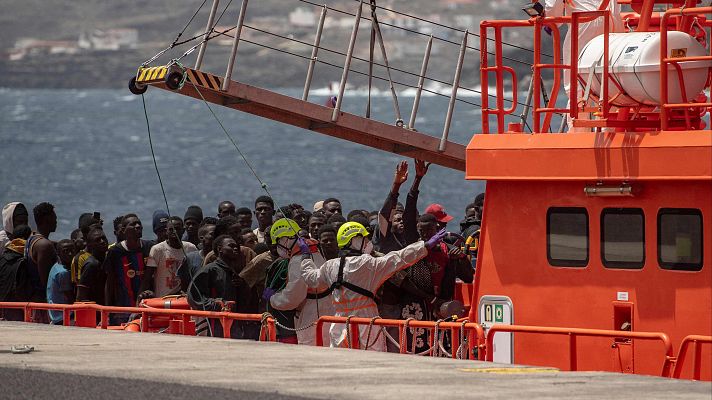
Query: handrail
{"type": "Point", "coordinates": [665, 60]}
{"type": "Point", "coordinates": [573, 333]}
{"type": "Point", "coordinates": [682, 354]}
{"type": "Point", "coordinates": [475, 333]}
{"type": "Point", "coordinates": [226, 318]}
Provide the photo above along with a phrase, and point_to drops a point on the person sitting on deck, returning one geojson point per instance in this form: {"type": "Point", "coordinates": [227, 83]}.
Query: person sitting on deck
{"type": "Point", "coordinates": [355, 276]}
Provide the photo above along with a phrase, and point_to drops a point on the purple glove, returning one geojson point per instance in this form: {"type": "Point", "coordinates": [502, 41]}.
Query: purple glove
{"type": "Point", "coordinates": [437, 238]}
{"type": "Point", "coordinates": [268, 293]}
{"type": "Point", "coordinates": [547, 30]}
{"type": "Point", "coordinates": [303, 246]}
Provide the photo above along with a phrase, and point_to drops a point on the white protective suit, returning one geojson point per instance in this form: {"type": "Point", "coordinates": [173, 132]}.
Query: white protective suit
{"type": "Point", "coordinates": [7, 223]}
{"type": "Point", "coordinates": [587, 30]}
{"type": "Point", "coordinates": [367, 272]}
{"type": "Point", "coordinates": [294, 296]}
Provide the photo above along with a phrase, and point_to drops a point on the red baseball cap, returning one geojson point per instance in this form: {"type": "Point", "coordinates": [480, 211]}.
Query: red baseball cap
{"type": "Point", "coordinates": [439, 212]}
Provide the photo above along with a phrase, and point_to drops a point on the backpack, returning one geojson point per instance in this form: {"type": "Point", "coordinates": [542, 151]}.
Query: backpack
{"type": "Point", "coordinates": [14, 282]}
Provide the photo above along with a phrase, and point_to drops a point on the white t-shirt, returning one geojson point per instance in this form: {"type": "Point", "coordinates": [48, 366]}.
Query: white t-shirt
{"type": "Point", "coordinates": [166, 260]}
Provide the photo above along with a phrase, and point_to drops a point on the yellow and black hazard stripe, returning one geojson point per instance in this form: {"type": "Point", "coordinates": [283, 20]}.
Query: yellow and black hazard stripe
{"type": "Point", "coordinates": [151, 74]}
{"type": "Point", "coordinates": [203, 79]}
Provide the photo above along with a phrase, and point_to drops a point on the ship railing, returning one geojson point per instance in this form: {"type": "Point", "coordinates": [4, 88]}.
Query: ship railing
{"type": "Point", "coordinates": [696, 341]}
{"type": "Point", "coordinates": [466, 338]}
{"type": "Point", "coordinates": [573, 334]}
{"type": "Point", "coordinates": [180, 321]}
{"type": "Point", "coordinates": [666, 108]}
{"type": "Point", "coordinates": [541, 116]}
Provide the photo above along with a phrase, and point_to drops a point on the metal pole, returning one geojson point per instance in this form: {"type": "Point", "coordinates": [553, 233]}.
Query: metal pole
{"type": "Point", "coordinates": [527, 104]}
{"type": "Point", "coordinates": [315, 51]}
{"type": "Point", "coordinates": [421, 80]}
{"type": "Point", "coordinates": [235, 42]}
{"type": "Point", "coordinates": [347, 64]}
{"type": "Point", "coordinates": [399, 119]}
{"type": "Point", "coordinates": [208, 29]}
{"type": "Point", "coordinates": [453, 96]}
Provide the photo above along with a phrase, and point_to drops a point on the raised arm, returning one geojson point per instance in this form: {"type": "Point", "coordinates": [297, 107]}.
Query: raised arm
{"type": "Point", "coordinates": [384, 216]}
{"type": "Point", "coordinates": [317, 277]}
{"type": "Point", "coordinates": [395, 261]}
{"type": "Point", "coordinates": [410, 215]}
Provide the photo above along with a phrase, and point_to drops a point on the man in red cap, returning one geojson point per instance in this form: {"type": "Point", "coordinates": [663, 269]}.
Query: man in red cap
{"type": "Point", "coordinates": [439, 213]}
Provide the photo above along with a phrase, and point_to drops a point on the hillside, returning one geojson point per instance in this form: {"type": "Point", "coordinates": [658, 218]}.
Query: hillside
{"type": "Point", "coordinates": [63, 22]}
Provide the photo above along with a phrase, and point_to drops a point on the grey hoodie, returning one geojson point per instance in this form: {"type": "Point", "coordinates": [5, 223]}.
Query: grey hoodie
{"type": "Point", "coordinates": [8, 227]}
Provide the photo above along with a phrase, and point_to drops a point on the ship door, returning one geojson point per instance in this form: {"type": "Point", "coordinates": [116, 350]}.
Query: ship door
{"type": "Point", "coordinates": [623, 347]}
{"type": "Point", "coordinates": [498, 310]}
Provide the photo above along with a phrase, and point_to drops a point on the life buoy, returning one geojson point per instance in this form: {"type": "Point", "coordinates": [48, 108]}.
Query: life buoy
{"type": "Point", "coordinates": [157, 323]}
{"type": "Point", "coordinates": [133, 326]}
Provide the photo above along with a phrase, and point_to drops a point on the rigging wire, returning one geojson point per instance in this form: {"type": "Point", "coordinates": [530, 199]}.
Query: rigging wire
{"type": "Point", "coordinates": [263, 185]}
{"type": "Point", "coordinates": [189, 21]}
{"type": "Point", "coordinates": [163, 191]}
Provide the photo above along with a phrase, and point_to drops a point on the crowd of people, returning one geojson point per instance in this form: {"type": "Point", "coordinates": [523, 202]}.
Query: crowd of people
{"type": "Point", "coordinates": [292, 262]}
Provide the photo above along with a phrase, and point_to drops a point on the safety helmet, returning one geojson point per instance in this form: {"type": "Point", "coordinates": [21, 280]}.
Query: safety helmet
{"type": "Point", "coordinates": [283, 227]}
{"type": "Point", "coordinates": [348, 231]}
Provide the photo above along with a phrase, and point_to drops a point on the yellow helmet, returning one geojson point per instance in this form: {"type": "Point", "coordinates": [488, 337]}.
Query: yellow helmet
{"type": "Point", "coordinates": [348, 231]}
{"type": "Point", "coordinates": [283, 227]}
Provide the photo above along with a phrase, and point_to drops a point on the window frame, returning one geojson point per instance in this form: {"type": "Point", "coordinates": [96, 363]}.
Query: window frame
{"type": "Point", "coordinates": [680, 267]}
{"type": "Point", "coordinates": [559, 263]}
{"type": "Point", "coordinates": [622, 265]}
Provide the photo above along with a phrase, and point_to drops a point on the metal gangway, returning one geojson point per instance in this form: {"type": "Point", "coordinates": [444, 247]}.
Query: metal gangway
{"type": "Point", "coordinates": [400, 137]}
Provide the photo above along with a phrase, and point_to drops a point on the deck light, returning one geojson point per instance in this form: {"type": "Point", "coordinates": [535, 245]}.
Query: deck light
{"type": "Point", "coordinates": [534, 9]}
{"type": "Point", "coordinates": [602, 190]}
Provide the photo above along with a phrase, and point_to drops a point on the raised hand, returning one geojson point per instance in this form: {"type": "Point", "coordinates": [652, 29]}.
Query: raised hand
{"type": "Point", "coordinates": [421, 168]}
{"type": "Point", "coordinates": [401, 174]}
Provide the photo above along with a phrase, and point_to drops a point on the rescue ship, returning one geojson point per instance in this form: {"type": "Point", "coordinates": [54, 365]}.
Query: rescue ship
{"type": "Point", "coordinates": [594, 250]}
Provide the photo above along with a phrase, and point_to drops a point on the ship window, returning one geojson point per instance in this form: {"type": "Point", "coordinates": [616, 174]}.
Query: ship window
{"type": "Point", "coordinates": [680, 239]}
{"type": "Point", "coordinates": [567, 236]}
{"type": "Point", "coordinates": [623, 238]}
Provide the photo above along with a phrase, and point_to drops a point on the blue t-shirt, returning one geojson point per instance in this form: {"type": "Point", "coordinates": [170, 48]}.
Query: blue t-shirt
{"type": "Point", "coordinates": [59, 282]}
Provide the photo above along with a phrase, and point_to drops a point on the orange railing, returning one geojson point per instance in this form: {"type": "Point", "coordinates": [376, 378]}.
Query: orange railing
{"type": "Point", "coordinates": [665, 60]}
{"type": "Point", "coordinates": [574, 333]}
{"type": "Point", "coordinates": [84, 315]}
{"type": "Point", "coordinates": [473, 333]}
{"type": "Point", "coordinates": [696, 340]}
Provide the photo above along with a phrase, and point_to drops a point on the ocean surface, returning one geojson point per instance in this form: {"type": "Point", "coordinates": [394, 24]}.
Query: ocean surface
{"type": "Point", "coordinates": [88, 150]}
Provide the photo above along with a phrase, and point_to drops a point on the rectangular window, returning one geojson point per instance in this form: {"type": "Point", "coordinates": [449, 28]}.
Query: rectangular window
{"type": "Point", "coordinates": [680, 239]}
{"type": "Point", "coordinates": [623, 238]}
{"type": "Point", "coordinates": [567, 236]}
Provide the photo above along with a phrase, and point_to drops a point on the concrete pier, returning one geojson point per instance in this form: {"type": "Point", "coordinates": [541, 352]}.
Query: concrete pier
{"type": "Point", "coordinates": [83, 363]}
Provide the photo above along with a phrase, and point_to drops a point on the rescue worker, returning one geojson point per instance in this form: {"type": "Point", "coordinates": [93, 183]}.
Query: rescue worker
{"type": "Point", "coordinates": [587, 30]}
{"type": "Point", "coordinates": [355, 276]}
{"type": "Point", "coordinates": [295, 295]}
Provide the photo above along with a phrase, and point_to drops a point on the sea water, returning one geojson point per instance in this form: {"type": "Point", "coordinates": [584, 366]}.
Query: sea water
{"type": "Point", "coordinates": [88, 150]}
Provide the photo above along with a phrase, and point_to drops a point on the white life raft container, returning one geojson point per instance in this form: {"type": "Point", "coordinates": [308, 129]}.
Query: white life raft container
{"type": "Point", "coordinates": [634, 63]}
